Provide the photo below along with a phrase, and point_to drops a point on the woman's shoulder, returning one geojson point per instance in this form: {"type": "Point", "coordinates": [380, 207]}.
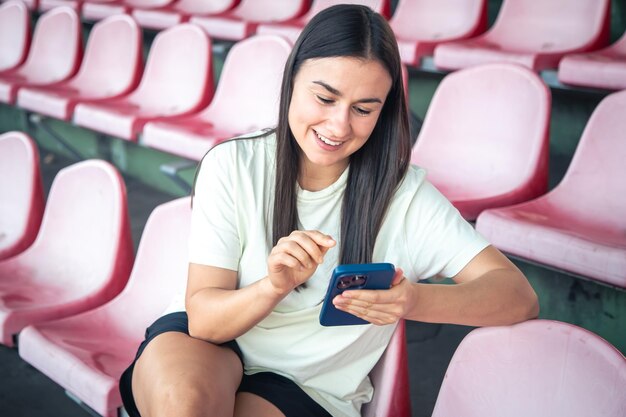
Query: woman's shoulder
{"type": "Point", "coordinates": [413, 180]}
{"type": "Point", "coordinates": [249, 149]}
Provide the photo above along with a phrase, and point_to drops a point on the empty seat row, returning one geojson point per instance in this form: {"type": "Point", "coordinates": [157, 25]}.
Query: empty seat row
{"type": "Point", "coordinates": [72, 294]}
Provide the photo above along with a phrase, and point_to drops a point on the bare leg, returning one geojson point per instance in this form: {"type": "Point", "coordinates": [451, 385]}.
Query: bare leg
{"type": "Point", "coordinates": [177, 375]}
{"type": "Point", "coordinates": [248, 404]}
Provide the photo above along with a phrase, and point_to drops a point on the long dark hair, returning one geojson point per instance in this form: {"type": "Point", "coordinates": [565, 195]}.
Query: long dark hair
{"type": "Point", "coordinates": [378, 167]}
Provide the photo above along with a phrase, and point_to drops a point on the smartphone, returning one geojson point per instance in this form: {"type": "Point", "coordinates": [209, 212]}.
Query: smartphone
{"type": "Point", "coordinates": [375, 276]}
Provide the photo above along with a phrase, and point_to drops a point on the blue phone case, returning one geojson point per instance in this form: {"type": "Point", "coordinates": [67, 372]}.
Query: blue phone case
{"type": "Point", "coordinates": [376, 276]}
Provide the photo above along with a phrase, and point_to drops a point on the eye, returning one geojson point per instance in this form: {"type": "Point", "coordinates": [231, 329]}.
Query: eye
{"type": "Point", "coordinates": [361, 111]}
{"type": "Point", "coordinates": [324, 100]}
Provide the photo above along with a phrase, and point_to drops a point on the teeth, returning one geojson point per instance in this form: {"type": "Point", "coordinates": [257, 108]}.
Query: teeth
{"type": "Point", "coordinates": [327, 141]}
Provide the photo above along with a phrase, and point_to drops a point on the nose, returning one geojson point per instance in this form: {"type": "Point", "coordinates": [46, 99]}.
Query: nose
{"type": "Point", "coordinates": [339, 123]}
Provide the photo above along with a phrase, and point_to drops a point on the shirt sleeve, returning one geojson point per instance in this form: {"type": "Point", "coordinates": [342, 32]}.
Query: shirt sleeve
{"type": "Point", "coordinates": [214, 238]}
{"type": "Point", "coordinates": [440, 241]}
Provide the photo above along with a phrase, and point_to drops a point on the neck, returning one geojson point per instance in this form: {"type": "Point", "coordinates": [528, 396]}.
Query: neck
{"type": "Point", "coordinates": [317, 178]}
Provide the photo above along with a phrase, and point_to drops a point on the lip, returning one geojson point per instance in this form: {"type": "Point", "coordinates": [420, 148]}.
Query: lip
{"type": "Point", "coordinates": [324, 145]}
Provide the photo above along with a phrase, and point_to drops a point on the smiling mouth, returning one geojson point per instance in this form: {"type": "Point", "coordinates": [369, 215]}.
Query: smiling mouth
{"type": "Point", "coordinates": [327, 141]}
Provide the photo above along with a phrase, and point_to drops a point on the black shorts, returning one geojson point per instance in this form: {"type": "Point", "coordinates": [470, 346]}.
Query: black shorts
{"type": "Point", "coordinates": [278, 390]}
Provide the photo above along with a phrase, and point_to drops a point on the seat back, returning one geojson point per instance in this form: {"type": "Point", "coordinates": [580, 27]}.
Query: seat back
{"type": "Point", "coordinates": [486, 133]}
{"type": "Point", "coordinates": [178, 76]}
{"type": "Point", "coordinates": [552, 25]}
{"type": "Point", "coordinates": [113, 57]}
{"type": "Point", "coordinates": [594, 186]}
{"type": "Point", "coordinates": [248, 93]}
{"type": "Point", "coordinates": [14, 34]}
{"type": "Point", "coordinates": [379, 6]}
{"type": "Point", "coordinates": [390, 378]}
{"type": "Point", "coordinates": [160, 269]}
{"type": "Point", "coordinates": [269, 10]}
{"type": "Point", "coordinates": [21, 193]}
{"type": "Point", "coordinates": [56, 48]}
{"type": "Point", "coordinates": [538, 368]}
{"type": "Point", "coordinates": [84, 244]}
{"type": "Point", "coordinates": [439, 20]}
{"type": "Point", "coordinates": [148, 4]}
{"type": "Point", "coordinates": [200, 7]}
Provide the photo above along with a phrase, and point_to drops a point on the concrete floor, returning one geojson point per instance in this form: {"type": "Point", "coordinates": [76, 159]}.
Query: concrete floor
{"type": "Point", "coordinates": [24, 391]}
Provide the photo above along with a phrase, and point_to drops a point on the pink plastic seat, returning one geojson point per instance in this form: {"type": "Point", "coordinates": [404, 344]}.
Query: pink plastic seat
{"type": "Point", "coordinates": [579, 225]}
{"type": "Point", "coordinates": [421, 25]}
{"type": "Point", "coordinates": [390, 378]}
{"type": "Point", "coordinates": [14, 34]}
{"type": "Point", "coordinates": [21, 193]}
{"type": "Point", "coordinates": [291, 29]}
{"type": "Point", "coordinates": [538, 368]}
{"type": "Point", "coordinates": [605, 68]}
{"type": "Point", "coordinates": [177, 80]}
{"type": "Point", "coordinates": [81, 257]}
{"type": "Point", "coordinates": [242, 21]}
{"type": "Point", "coordinates": [484, 141]}
{"type": "Point", "coordinates": [54, 55]}
{"type": "Point", "coordinates": [101, 9]}
{"type": "Point", "coordinates": [180, 11]}
{"type": "Point", "coordinates": [246, 100]}
{"type": "Point", "coordinates": [534, 34]}
{"type": "Point", "coordinates": [92, 349]}
{"type": "Point", "coordinates": [111, 67]}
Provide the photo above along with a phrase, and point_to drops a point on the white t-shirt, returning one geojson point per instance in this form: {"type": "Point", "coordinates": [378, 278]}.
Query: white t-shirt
{"type": "Point", "coordinates": [231, 228]}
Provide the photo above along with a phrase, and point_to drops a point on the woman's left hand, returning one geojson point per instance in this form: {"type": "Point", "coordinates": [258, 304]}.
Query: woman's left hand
{"type": "Point", "coordinates": [379, 307]}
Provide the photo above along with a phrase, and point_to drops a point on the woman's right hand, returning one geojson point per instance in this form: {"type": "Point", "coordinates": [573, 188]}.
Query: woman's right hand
{"type": "Point", "coordinates": [295, 258]}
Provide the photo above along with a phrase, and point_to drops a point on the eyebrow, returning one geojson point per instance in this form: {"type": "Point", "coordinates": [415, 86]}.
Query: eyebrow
{"type": "Point", "coordinates": [336, 92]}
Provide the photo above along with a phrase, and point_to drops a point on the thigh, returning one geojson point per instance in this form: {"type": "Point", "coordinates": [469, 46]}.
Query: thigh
{"type": "Point", "coordinates": [247, 404]}
{"type": "Point", "coordinates": [176, 372]}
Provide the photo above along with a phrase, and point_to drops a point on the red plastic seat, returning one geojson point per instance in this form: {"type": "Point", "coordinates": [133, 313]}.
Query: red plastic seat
{"type": "Point", "coordinates": [291, 29]}
{"type": "Point", "coordinates": [92, 349]}
{"type": "Point", "coordinates": [101, 9]}
{"type": "Point", "coordinates": [421, 25]}
{"type": "Point", "coordinates": [178, 80]}
{"type": "Point", "coordinates": [111, 67]}
{"type": "Point", "coordinates": [242, 21]}
{"type": "Point", "coordinates": [390, 378]}
{"type": "Point", "coordinates": [54, 55]}
{"type": "Point", "coordinates": [579, 225]}
{"type": "Point", "coordinates": [605, 68]}
{"type": "Point", "coordinates": [21, 193]}
{"type": "Point", "coordinates": [14, 34]}
{"type": "Point", "coordinates": [538, 368]}
{"type": "Point", "coordinates": [81, 257]}
{"type": "Point", "coordinates": [484, 140]}
{"type": "Point", "coordinates": [534, 34]}
{"type": "Point", "coordinates": [180, 11]}
{"type": "Point", "coordinates": [246, 100]}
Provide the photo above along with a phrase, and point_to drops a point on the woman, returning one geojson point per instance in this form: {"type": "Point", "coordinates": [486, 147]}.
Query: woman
{"type": "Point", "coordinates": [273, 215]}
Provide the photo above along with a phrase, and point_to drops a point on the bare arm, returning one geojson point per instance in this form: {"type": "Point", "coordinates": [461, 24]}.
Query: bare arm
{"type": "Point", "coordinates": [219, 312]}
{"type": "Point", "coordinates": [490, 291]}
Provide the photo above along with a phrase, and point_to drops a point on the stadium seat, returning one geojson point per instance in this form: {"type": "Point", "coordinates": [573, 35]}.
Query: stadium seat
{"type": "Point", "coordinates": [605, 68]}
{"type": "Point", "coordinates": [538, 368]}
{"type": "Point", "coordinates": [82, 255]}
{"type": "Point", "coordinates": [111, 67]}
{"type": "Point", "coordinates": [54, 55]}
{"type": "Point", "coordinates": [179, 12]}
{"type": "Point", "coordinates": [21, 193]}
{"type": "Point", "coordinates": [14, 34]}
{"type": "Point", "coordinates": [93, 349]}
{"type": "Point", "coordinates": [242, 21]}
{"type": "Point", "coordinates": [484, 140]}
{"type": "Point", "coordinates": [101, 9]}
{"type": "Point", "coordinates": [390, 378]}
{"type": "Point", "coordinates": [579, 225]}
{"type": "Point", "coordinates": [534, 34]}
{"type": "Point", "coordinates": [178, 80]}
{"type": "Point", "coordinates": [246, 100]}
{"type": "Point", "coordinates": [421, 25]}
{"type": "Point", "coordinates": [291, 29]}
